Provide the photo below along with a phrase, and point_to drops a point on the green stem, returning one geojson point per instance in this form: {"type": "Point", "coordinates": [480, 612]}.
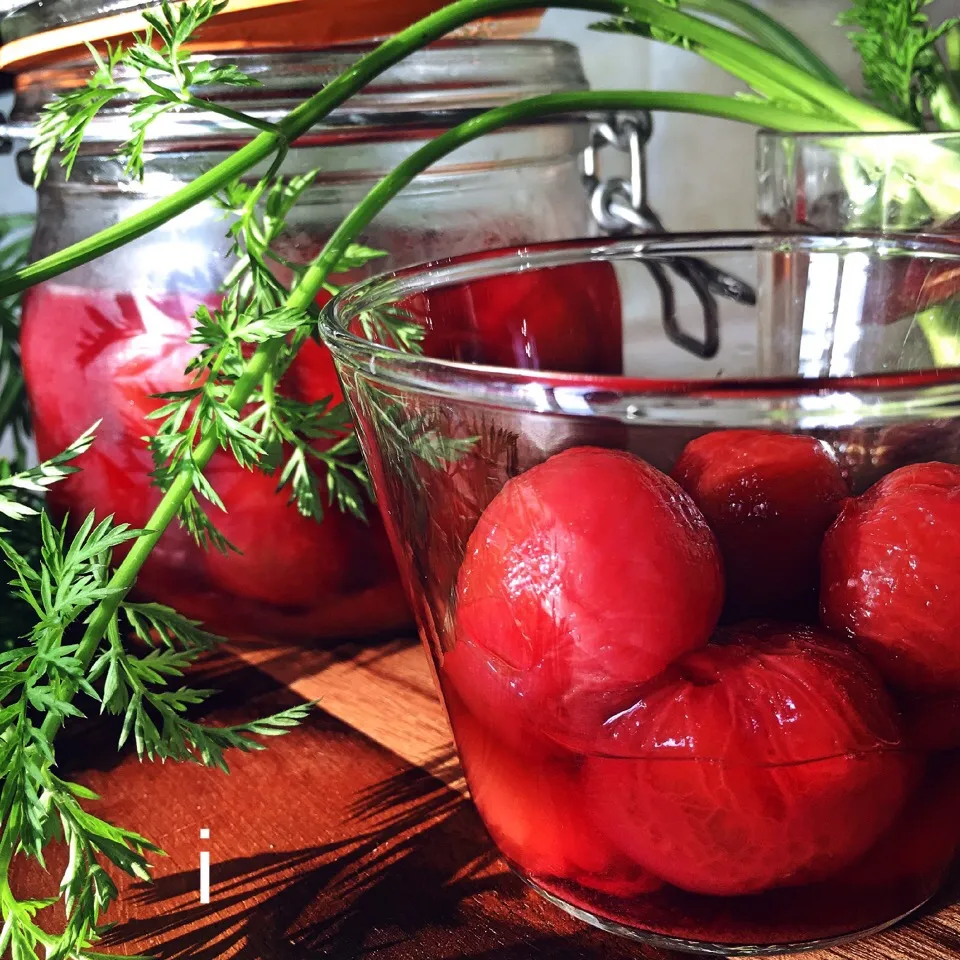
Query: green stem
{"type": "Point", "coordinates": [764, 84]}
{"type": "Point", "coordinates": [142, 223]}
{"type": "Point", "coordinates": [768, 33]}
{"type": "Point", "coordinates": [243, 118]}
{"type": "Point", "coordinates": [728, 108]}
{"type": "Point", "coordinates": [754, 57]}
{"type": "Point", "coordinates": [185, 97]}
{"type": "Point", "coordinates": [820, 92]}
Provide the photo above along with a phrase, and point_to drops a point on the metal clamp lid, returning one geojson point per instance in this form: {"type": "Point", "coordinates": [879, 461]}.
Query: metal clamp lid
{"type": "Point", "coordinates": [620, 206]}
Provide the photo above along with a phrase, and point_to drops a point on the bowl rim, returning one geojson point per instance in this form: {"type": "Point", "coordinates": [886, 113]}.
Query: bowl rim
{"type": "Point", "coordinates": [815, 401]}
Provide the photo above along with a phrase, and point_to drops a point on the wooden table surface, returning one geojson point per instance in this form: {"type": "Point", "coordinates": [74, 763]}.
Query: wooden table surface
{"type": "Point", "coordinates": [350, 837]}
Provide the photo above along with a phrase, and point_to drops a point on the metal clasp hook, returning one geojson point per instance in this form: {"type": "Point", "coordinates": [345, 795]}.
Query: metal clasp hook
{"type": "Point", "coordinates": [621, 207]}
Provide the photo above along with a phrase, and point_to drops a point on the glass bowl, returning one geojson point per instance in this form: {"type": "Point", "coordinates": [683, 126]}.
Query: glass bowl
{"type": "Point", "coordinates": [678, 518]}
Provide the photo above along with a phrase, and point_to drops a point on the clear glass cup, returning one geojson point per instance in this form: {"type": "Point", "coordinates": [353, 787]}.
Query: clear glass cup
{"type": "Point", "coordinates": [891, 182]}
{"type": "Point", "coordinates": [877, 182]}
{"type": "Point", "coordinates": [690, 600]}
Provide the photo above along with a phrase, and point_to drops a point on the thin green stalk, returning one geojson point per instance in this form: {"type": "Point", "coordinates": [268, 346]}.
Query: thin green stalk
{"type": "Point", "coordinates": [242, 118]}
{"type": "Point", "coordinates": [211, 106]}
{"type": "Point", "coordinates": [728, 108]}
{"type": "Point", "coordinates": [763, 83]}
{"type": "Point", "coordinates": [305, 293]}
{"type": "Point", "coordinates": [142, 223]}
{"type": "Point", "coordinates": [768, 33]}
{"type": "Point", "coordinates": [741, 50]}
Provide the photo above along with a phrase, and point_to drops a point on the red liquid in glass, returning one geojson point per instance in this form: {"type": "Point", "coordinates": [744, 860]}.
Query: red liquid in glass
{"type": "Point", "coordinates": [769, 783]}
{"type": "Point", "coordinates": [93, 355]}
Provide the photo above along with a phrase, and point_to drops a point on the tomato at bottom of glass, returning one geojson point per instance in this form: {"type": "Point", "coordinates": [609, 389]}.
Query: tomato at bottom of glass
{"type": "Point", "coordinates": [292, 577]}
{"type": "Point", "coordinates": [765, 789]}
{"type": "Point", "coordinates": [545, 811]}
{"type": "Point", "coordinates": [289, 577]}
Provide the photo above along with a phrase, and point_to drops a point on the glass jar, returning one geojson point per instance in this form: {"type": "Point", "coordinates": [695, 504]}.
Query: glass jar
{"type": "Point", "coordinates": [878, 182]}
{"type": "Point", "coordinates": [100, 341]}
{"type": "Point", "coordinates": [701, 659]}
{"type": "Point", "coordinates": [864, 181]}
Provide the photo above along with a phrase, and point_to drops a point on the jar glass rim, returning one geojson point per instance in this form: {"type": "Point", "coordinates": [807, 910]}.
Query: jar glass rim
{"type": "Point", "coordinates": [742, 401]}
{"type": "Point", "coordinates": [810, 136]}
{"type": "Point", "coordinates": [434, 88]}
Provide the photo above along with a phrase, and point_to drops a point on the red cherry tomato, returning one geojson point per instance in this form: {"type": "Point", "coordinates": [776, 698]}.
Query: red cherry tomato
{"type": "Point", "coordinates": [566, 319]}
{"type": "Point", "coordinates": [286, 558]}
{"type": "Point", "coordinates": [769, 498]}
{"type": "Point", "coordinates": [112, 351]}
{"type": "Point", "coordinates": [918, 850]}
{"type": "Point", "coordinates": [771, 759]}
{"type": "Point", "coordinates": [498, 693]}
{"type": "Point", "coordinates": [891, 576]}
{"type": "Point", "coordinates": [531, 805]}
{"type": "Point", "coordinates": [586, 575]}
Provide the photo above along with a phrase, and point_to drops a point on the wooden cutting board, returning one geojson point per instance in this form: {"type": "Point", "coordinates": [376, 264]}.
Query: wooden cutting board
{"type": "Point", "coordinates": [350, 837]}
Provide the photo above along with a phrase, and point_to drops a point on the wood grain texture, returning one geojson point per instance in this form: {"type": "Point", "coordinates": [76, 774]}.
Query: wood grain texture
{"type": "Point", "coordinates": [385, 691]}
{"type": "Point", "coordinates": [350, 837]}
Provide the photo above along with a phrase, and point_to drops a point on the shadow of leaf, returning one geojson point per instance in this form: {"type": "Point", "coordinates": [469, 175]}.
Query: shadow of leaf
{"type": "Point", "coordinates": [416, 852]}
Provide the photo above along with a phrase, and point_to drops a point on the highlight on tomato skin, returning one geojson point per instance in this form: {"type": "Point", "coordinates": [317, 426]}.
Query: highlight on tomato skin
{"type": "Point", "coordinates": [891, 577]}
{"type": "Point", "coordinates": [569, 599]}
{"type": "Point", "coordinates": [771, 758]}
{"type": "Point", "coordinates": [769, 498]}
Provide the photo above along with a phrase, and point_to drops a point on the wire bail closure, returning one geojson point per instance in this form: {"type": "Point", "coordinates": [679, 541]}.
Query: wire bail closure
{"type": "Point", "coordinates": [621, 207]}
